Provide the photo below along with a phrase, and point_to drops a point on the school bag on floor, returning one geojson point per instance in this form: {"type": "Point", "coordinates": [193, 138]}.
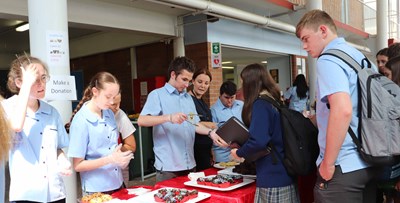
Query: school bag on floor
{"type": "Point", "coordinates": [300, 140]}
{"type": "Point", "coordinates": [379, 113]}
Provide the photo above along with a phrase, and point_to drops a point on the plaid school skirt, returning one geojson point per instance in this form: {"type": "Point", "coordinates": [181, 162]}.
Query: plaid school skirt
{"type": "Point", "coordinates": [287, 194]}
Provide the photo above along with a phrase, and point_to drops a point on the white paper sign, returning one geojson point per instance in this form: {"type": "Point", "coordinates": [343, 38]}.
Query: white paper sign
{"type": "Point", "coordinates": [57, 48]}
{"type": "Point", "coordinates": [60, 87]}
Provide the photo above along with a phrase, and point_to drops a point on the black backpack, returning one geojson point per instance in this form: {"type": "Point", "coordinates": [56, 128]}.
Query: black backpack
{"type": "Point", "coordinates": [300, 139]}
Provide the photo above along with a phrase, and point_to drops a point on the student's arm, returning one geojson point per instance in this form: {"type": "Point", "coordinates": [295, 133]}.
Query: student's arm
{"type": "Point", "coordinates": [81, 165]}
{"type": "Point", "coordinates": [209, 124]}
{"type": "Point", "coordinates": [338, 124]}
{"type": "Point", "coordinates": [149, 120]}
{"type": "Point", "coordinates": [17, 118]}
{"type": "Point", "coordinates": [126, 130]}
{"type": "Point", "coordinates": [203, 130]}
{"type": "Point", "coordinates": [129, 144]}
{"type": "Point", "coordinates": [288, 93]}
{"type": "Point", "coordinates": [116, 158]}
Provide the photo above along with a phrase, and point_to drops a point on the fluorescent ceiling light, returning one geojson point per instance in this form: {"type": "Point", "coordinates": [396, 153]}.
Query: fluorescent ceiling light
{"type": "Point", "coordinates": [22, 28]}
{"type": "Point", "coordinates": [228, 67]}
{"type": "Point", "coordinates": [226, 62]}
{"type": "Point", "coordinates": [264, 62]}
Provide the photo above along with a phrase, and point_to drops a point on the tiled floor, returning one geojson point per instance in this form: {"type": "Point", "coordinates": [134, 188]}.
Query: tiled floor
{"type": "Point", "coordinates": [151, 181]}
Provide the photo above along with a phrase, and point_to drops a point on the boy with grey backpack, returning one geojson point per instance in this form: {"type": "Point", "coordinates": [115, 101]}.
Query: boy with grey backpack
{"type": "Point", "coordinates": [379, 113]}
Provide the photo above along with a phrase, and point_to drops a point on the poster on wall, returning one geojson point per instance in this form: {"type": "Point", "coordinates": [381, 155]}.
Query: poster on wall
{"type": "Point", "coordinates": [57, 48]}
{"type": "Point", "coordinates": [216, 59]}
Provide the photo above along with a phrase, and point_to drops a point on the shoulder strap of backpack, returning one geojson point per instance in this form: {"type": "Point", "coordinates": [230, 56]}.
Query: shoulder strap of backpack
{"type": "Point", "coordinates": [272, 101]}
{"type": "Point", "coordinates": [356, 67]}
{"type": "Point", "coordinates": [348, 59]}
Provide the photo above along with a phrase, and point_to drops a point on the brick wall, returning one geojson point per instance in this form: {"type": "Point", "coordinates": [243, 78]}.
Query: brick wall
{"type": "Point", "coordinates": [357, 20]}
{"type": "Point", "coordinates": [334, 9]}
{"type": "Point", "coordinates": [200, 54]}
{"type": "Point", "coordinates": [153, 59]}
{"type": "Point", "coordinates": [115, 62]}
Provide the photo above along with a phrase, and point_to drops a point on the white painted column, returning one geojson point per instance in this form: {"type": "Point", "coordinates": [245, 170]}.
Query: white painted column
{"type": "Point", "coordinates": [179, 43]}
{"type": "Point", "coordinates": [313, 4]}
{"type": "Point", "coordinates": [179, 47]}
{"type": "Point", "coordinates": [236, 73]}
{"type": "Point", "coordinates": [382, 25]}
{"type": "Point", "coordinates": [48, 21]}
{"type": "Point", "coordinates": [312, 62]}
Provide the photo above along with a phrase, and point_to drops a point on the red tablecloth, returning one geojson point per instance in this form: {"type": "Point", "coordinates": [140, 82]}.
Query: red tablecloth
{"type": "Point", "coordinates": [123, 194]}
{"type": "Point", "coordinates": [243, 194]}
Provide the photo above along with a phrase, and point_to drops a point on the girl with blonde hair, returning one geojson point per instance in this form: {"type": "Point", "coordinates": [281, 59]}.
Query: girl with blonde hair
{"type": "Point", "coordinates": [36, 159]}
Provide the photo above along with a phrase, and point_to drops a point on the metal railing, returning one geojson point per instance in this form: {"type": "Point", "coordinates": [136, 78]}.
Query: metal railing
{"type": "Point", "coordinates": [394, 19]}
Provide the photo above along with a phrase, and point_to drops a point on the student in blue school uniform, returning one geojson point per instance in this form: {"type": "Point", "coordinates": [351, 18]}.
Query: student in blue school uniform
{"type": "Point", "coordinates": [94, 138]}
{"type": "Point", "coordinates": [298, 94]}
{"type": "Point", "coordinates": [126, 130]}
{"type": "Point", "coordinates": [273, 182]}
{"type": "Point", "coordinates": [342, 175]}
{"type": "Point", "coordinates": [172, 113]}
{"type": "Point", "coordinates": [36, 159]}
{"type": "Point", "coordinates": [224, 108]}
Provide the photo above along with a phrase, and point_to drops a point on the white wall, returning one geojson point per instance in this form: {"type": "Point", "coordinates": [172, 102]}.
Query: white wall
{"type": "Point", "coordinates": [283, 65]}
{"type": "Point", "coordinates": [244, 35]}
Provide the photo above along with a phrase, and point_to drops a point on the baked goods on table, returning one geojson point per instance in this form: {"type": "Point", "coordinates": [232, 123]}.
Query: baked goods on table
{"type": "Point", "coordinates": [221, 180]}
{"type": "Point", "coordinates": [97, 197]}
{"type": "Point", "coordinates": [245, 168]}
{"type": "Point", "coordinates": [228, 164]}
{"type": "Point", "coordinates": [175, 195]}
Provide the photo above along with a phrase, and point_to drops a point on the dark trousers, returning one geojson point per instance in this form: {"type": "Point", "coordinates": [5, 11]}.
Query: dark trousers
{"type": "Point", "coordinates": [166, 175]}
{"type": "Point", "coordinates": [353, 187]}
{"type": "Point", "coordinates": [202, 155]}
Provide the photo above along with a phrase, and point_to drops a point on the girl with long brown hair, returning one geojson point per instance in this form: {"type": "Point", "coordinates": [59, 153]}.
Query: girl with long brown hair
{"type": "Point", "coordinates": [263, 120]}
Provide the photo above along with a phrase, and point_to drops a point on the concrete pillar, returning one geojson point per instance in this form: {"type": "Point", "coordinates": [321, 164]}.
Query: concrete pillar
{"type": "Point", "coordinates": [179, 47]}
{"type": "Point", "coordinates": [312, 62]}
{"type": "Point", "coordinates": [382, 25]}
{"type": "Point", "coordinates": [313, 4]}
{"type": "Point", "coordinates": [179, 43]}
{"type": "Point", "coordinates": [48, 36]}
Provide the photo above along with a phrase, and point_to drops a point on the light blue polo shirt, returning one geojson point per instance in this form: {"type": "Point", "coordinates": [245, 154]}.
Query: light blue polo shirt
{"type": "Point", "coordinates": [173, 143]}
{"type": "Point", "coordinates": [334, 76]}
{"type": "Point", "coordinates": [220, 114]}
{"type": "Point", "coordinates": [296, 103]}
{"type": "Point", "coordinates": [33, 165]}
{"type": "Point", "coordinates": [92, 138]}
